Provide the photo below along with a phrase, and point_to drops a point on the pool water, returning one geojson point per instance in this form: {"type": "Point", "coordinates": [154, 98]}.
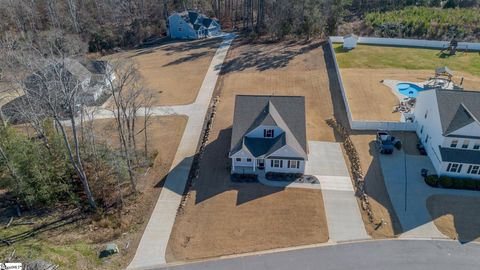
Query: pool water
{"type": "Point", "coordinates": [409, 89]}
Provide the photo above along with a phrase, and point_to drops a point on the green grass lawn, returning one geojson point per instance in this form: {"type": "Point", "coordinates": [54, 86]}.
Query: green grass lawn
{"type": "Point", "coordinates": [378, 57]}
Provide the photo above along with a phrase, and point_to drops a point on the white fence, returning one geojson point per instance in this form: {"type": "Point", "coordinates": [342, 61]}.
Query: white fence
{"type": "Point", "coordinates": [365, 125]}
{"type": "Point", "coordinates": [421, 43]}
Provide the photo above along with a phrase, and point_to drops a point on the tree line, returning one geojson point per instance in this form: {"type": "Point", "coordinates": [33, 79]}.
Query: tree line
{"type": "Point", "coordinates": [106, 24]}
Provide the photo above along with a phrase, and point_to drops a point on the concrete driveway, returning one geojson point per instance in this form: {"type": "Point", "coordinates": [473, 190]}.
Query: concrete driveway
{"type": "Point", "coordinates": [327, 163]}
{"type": "Point", "coordinates": [409, 193]}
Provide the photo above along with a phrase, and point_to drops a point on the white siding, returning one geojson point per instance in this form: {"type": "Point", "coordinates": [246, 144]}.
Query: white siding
{"type": "Point", "coordinates": [284, 168]}
{"type": "Point", "coordinates": [427, 105]}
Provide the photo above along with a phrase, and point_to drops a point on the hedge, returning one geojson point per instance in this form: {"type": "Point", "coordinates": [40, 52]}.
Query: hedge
{"type": "Point", "coordinates": [452, 182]}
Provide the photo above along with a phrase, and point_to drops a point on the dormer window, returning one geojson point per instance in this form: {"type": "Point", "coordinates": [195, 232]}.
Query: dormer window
{"type": "Point", "coordinates": [268, 133]}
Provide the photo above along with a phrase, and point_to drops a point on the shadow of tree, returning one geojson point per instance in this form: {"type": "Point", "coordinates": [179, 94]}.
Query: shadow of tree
{"type": "Point", "coordinates": [172, 46]}
{"type": "Point", "coordinates": [61, 222]}
{"type": "Point", "coordinates": [267, 56]}
{"type": "Point", "coordinates": [188, 58]}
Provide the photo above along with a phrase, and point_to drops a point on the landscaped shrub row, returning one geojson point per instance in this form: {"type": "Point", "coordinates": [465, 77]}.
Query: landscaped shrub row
{"type": "Point", "coordinates": [454, 183]}
{"type": "Point", "coordinates": [238, 177]}
{"type": "Point", "coordinates": [282, 176]}
{"type": "Point", "coordinates": [424, 22]}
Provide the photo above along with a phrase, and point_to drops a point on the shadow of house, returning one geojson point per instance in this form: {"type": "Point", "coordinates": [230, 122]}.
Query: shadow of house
{"type": "Point", "coordinates": [214, 177]}
{"type": "Point", "coordinates": [463, 211]}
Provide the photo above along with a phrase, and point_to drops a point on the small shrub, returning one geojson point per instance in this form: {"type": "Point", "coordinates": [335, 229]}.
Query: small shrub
{"type": "Point", "coordinates": [432, 180]}
{"type": "Point", "coordinates": [446, 182]}
{"type": "Point", "coordinates": [398, 145]}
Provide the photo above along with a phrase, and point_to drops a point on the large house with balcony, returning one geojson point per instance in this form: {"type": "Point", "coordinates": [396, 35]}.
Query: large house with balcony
{"type": "Point", "coordinates": [192, 25]}
{"type": "Point", "coordinates": [268, 135]}
{"type": "Point", "coordinates": [449, 128]}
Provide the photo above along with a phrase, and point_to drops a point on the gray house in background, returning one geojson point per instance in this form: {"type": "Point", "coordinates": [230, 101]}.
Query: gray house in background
{"type": "Point", "coordinates": [94, 77]}
{"type": "Point", "coordinates": [192, 25]}
{"type": "Point", "coordinates": [268, 135]}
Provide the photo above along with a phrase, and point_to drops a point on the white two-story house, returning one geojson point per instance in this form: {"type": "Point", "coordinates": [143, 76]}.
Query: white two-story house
{"type": "Point", "coordinates": [449, 128]}
{"type": "Point", "coordinates": [268, 135]}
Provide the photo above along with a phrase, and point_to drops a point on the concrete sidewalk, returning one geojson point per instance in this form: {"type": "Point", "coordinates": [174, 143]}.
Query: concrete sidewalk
{"type": "Point", "coordinates": [344, 219]}
{"type": "Point", "coordinates": [152, 247]}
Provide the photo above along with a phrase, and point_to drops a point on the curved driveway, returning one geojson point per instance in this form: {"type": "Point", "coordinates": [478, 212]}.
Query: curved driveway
{"type": "Point", "coordinates": [370, 255]}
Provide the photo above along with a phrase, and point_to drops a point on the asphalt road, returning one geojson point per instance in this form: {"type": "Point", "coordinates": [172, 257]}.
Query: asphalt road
{"type": "Point", "coordinates": [371, 255]}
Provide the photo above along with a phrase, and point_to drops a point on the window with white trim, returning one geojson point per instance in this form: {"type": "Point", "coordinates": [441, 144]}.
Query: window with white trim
{"type": "Point", "coordinates": [180, 29]}
{"type": "Point", "coordinates": [238, 159]}
{"type": "Point", "coordinates": [465, 144]}
{"type": "Point", "coordinates": [249, 160]}
{"type": "Point", "coordinates": [276, 163]}
{"type": "Point", "coordinates": [268, 133]}
{"type": "Point", "coordinates": [454, 143]}
{"type": "Point", "coordinates": [293, 164]}
{"type": "Point", "coordinates": [476, 146]}
{"type": "Point", "coordinates": [473, 169]}
{"type": "Point", "coordinates": [454, 167]}
{"type": "Point", "coordinates": [421, 130]}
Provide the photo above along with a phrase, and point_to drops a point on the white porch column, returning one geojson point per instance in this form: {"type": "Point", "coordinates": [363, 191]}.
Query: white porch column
{"type": "Point", "coordinates": [233, 164]}
{"type": "Point", "coordinates": [254, 163]}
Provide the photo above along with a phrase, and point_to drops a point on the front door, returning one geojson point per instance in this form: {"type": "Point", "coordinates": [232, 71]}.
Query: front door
{"type": "Point", "coordinates": [261, 164]}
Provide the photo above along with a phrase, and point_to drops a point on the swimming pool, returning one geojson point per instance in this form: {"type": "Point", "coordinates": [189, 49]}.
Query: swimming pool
{"type": "Point", "coordinates": [409, 89]}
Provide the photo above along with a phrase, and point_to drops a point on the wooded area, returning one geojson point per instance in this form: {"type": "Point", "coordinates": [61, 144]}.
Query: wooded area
{"type": "Point", "coordinates": [106, 24]}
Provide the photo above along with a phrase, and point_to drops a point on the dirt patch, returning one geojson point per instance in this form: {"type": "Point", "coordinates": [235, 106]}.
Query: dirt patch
{"type": "Point", "coordinates": [456, 216]}
{"type": "Point", "coordinates": [221, 217]}
{"type": "Point", "coordinates": [77, 245]}
{"type": "Point", "coordinates": [370, 99]}
{"type": "Point", "coordinates": [173, 72]}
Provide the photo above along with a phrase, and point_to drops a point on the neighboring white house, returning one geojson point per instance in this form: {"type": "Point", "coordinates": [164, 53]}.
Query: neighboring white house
{"type": "Point", "coordinates": [350, 41]}
{"type": "Point", "coordinates": [268, 134]}
{"type": "Point", "coordinates": [449, 128]}
{"type": "Point", "coordinates": [192, 25]}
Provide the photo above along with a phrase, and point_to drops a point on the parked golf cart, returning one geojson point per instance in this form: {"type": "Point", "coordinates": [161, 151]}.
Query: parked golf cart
{"type": "Point", "coordinates": [386, 142]}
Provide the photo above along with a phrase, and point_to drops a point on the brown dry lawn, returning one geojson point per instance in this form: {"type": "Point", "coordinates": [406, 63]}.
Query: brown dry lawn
{"type": "Point", "coordinates": [369, 99]}
{"type": "Point", "coordinates": [221, 217]}
{"type": "Point", "coordinates": [456, 216]}
{"type": "Point", "coordinates": [173, 72]}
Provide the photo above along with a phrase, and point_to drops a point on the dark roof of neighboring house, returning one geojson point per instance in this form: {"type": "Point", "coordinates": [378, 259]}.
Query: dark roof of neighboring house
{"type": "Point", "coordinates": [76, 69]}
{"type": "Point", "coordinates": [96, 66]}
{"type": "Point", "coordinates": [457, 108]}
{"type": "Point", "coordinates": [196, 19]}
{"type": "Point", "coordinates": [459, 155]}
{"type": "Point", "coordinates": [286, 112]}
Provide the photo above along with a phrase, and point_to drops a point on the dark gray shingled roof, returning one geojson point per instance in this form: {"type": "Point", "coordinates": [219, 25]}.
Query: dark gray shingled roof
{"type": "Point", "coordinates": [457, 108]}
{"type": "Point", "coordinates": [459, 155]}
{"type": "Point", "coordinates": [286, 112]}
